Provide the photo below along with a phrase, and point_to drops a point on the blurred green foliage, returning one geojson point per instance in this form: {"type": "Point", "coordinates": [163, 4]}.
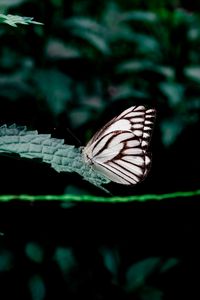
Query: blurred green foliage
{"type": "Point", "coordinates": [135, 280]}
{"type": "Point", "coordinates": [89, 61]}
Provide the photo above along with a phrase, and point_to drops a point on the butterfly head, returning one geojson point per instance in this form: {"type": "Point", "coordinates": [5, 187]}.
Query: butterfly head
{"type": "Point", "coordinates": [86, 156]}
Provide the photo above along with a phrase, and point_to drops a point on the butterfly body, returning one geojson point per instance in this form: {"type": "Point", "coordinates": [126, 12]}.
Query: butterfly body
{"type": "Point", "coordinates": [119, 150]}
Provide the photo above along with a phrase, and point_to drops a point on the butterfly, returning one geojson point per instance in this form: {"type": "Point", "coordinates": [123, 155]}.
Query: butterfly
{"type": "Point", "coordinates": [118, 151]}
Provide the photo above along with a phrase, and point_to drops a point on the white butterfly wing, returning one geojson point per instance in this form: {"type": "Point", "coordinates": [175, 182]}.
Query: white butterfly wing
{"type": "Point", "coordinates": [118, 150]}
{"type": "Point", "coordinates": [141, 122]}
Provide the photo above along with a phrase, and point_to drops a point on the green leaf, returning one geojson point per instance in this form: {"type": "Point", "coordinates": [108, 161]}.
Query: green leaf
{"type": "Point", "coordinates": [56, 49]}
{"type": "Point", "coordinates": [97, 41]}
{"type": "Point", "coordinates": [141, 16]}
{"type": "Point", "coordinates": [135, 66]}
{"type": "Point", "coordinates": [37, 287]}
{"type": "Point", "coordinates": [194, 34]}
{"type": "Point", "coordinates": [91, 31]}
{"type": "Point", "coordinates": [131, 66]}
{"type": "Point", "coordinates": [61, 157]}
{"type": "Point", "coordinates": [65, 259]}
{"type": "Point", "coordinates": [127, 91]}
{"type": "Point", "coordinates": [170, 263]}
{"type": "Point", "coordinates": [67, 205]}
{"type": "Point", "coordinates": [147, 43]}
{"type": "Point", "coordinates": [111, 260]}
{"type": "Point", "coordinates": [13, 20]}
{"type": "Point", "coordinates": [170, 130]}
{"type": "Point", "coordinates": [85, 24]}
{"type": "Point", "coordinates": [139, 272]}
{"type": "Point", "coordinates": [193, 73]}
{"type": "Point", "coordinates": [11, 3]}
{"type": "Point", "coordinates": [79, 117]}
{"type": "Point", "coordinates": [34, 252]}
{"type": "Point", "coordinates": [13, 86]}
{"type": "Point", "coordinates": [73, 190]}
{"type": "Point", "coordinates": [173, 91]}
{"type": "Point", "coordinates": [167, 71]}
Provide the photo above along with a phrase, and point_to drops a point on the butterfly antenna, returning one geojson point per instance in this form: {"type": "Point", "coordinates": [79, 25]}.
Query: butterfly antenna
{"type": "Point", "coordinates": [71, 133]}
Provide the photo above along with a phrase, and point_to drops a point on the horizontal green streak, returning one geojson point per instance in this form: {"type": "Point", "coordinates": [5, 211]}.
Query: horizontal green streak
{"type": "Point", "coordinates": [89, 198]}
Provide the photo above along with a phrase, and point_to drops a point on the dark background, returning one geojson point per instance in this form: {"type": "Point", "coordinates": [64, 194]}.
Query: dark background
{"type": "Point", "coordinates": [87, 63]}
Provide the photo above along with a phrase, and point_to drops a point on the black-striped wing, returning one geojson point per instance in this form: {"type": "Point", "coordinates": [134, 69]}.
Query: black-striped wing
{"type": "Point", "coordinates": [119, 149]}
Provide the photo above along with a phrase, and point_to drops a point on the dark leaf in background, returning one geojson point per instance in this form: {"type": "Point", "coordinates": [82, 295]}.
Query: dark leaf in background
{"type": "Point", "coordinates": [37, 288]}
{"type": "Point", "coordinates": [34, 252]}
{"type": "Point", "coordinates": [6, 260]}
{"type": "Point", "coordinates": [169, 263]}
{"type": "Point", "coordinates": [65, 259]}
{"type": "Point", "coordinates": [138, 273]}
{"type": "Point", "coordinates": [57, 49]}
{"type": "Point", "coordinates": [56, 89]}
